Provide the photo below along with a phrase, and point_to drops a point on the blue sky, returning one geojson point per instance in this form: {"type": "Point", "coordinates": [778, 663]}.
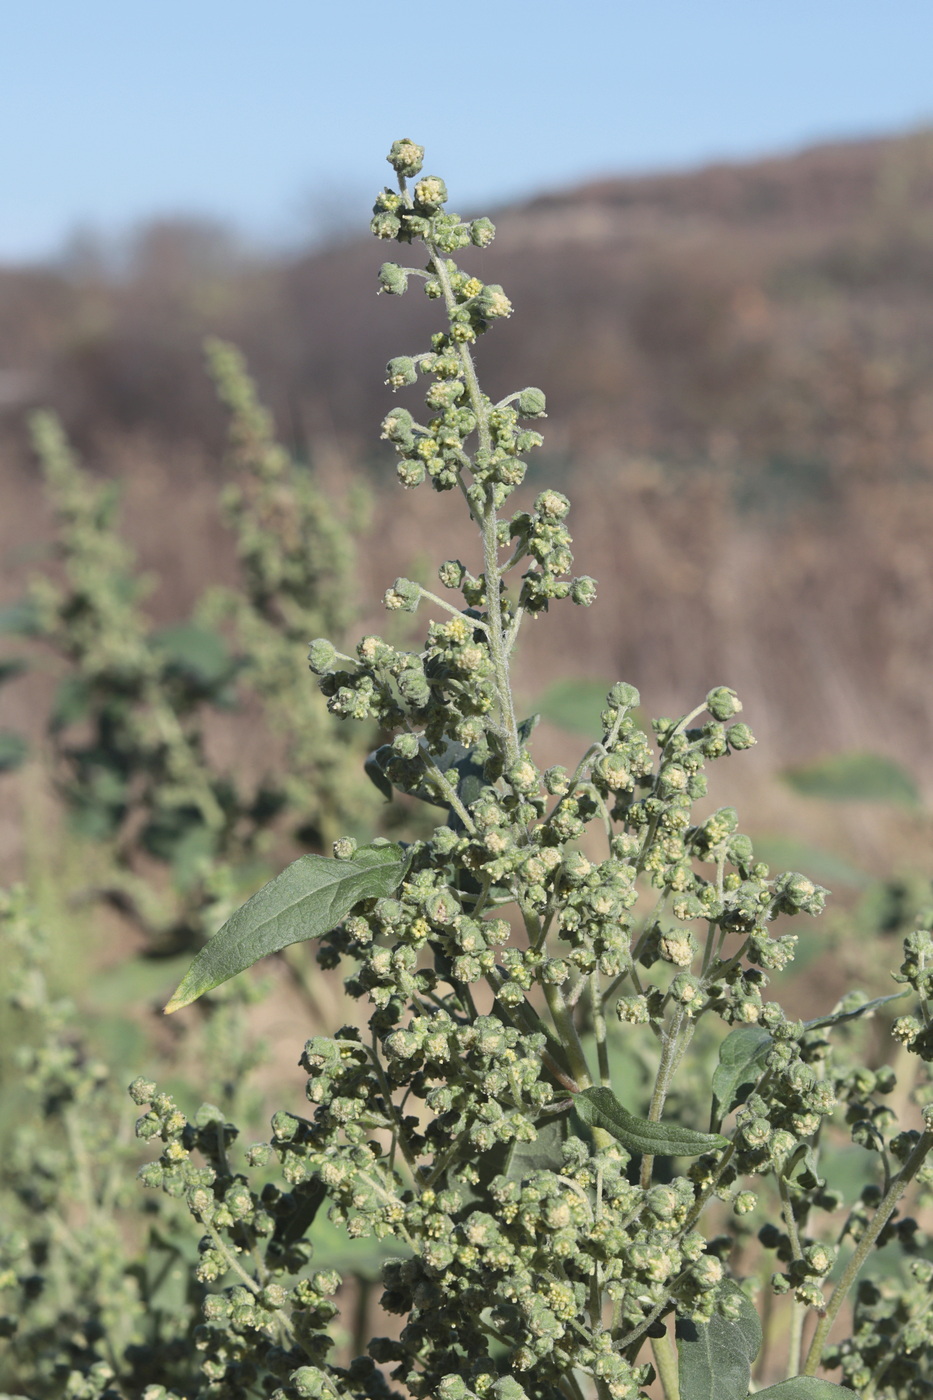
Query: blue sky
{"type": "Point", "coordinates": [275, 115]}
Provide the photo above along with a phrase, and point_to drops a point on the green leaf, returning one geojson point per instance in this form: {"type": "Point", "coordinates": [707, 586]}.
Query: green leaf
{"type": "Point", "coordinates": [306, 900]}
{"type": "Point", "coordinates": [854, 777]}
{"type": "Point", "coordinates": [456, 761]}
{"type": "Point", "coordinates": [824, 867]}
{"type": "Point", "coordinates": [849, 1014]}
{"type": "Point", "coordinates": [575, 705]}
{"type": "Point", "coordinates": [599, 1108]}
{"type": "Point", "coordinates": [527, 727]}
{"type": "Point", "coordinates": [544, 1154]}
{"type": "Point", "coordinates": [198, 653]}
{"type": "Point", "coordinates": [805, 1388]}
{"type": "Point", "coordinates": [15, 666]}
{"type": "Point", "coordinates": [307, 1199]}
{"type": "Point", "coordinates": [20, 618]}
{"type": "Point", "coordinates": [742, 1058]}
{"type": "Point", "coordinates": [715, 1358]}
{"type": "Point", "coordinates": [374, 771]}
{"type": "Point", "coordinates": [71, 703]}
{"type": "Point", "coordinates": [13, 750]}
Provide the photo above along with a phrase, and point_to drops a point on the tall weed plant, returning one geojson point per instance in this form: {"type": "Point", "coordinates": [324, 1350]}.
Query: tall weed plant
{"type": "Point", "coordinates": [597, 1157]}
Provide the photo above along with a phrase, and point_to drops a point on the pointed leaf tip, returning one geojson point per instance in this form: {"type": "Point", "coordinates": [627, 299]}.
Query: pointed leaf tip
{"type": "Point", "coordinates": [307, 900]}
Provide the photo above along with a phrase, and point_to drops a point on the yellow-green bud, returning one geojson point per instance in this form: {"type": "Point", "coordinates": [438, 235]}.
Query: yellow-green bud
{"type": "Point", "coordinates": [583, 590]}
{"type": "Point", "coordinates": [393, 279]}
{"type": "Point", "coordinates": [532, 404]}
{"type": "Point", "coordinates": [482, 232]}
{"type": "Point", "coordinates": [493, 303]}
{"type": "Point", "coordinates": [723, 703]}
{"type": "Point", "coordinates": [553, 505]}
{"type": "Point", "coordinates": [385, 225]}
{"type": "Point", "coordinates": [404, 594]}
{"type": "Point", "coordinates": [401, 371]}
{"type": "Point", "coordinates": [321, 656]}
{"type": "Point", "coordinates": [405, 157]}
{"type": "Point", "coordinates": [430, 193]}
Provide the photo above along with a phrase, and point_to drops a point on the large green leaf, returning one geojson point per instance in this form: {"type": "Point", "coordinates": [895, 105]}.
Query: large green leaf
{"type": "Point", "coordinates": [742, 1058]}
{"type": "Point", "coordinates": [306, 900]}
{"type": "Point", "coordinates": [715, 1358]}
{"type": "Point", "coordinates": [600, 1108]}
{"type": "Point", "coordinates": [854, 777]}
{"type": "Point", "coordinates": [805, 1388]}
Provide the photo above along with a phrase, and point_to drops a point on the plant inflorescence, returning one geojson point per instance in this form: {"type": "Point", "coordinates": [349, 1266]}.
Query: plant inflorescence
{"type": "Point", "coordinates": [597, 1154]}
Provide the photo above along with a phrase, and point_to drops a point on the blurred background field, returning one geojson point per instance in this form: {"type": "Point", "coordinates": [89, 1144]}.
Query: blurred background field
{"type": "Point", "coordinates": [740, 393]}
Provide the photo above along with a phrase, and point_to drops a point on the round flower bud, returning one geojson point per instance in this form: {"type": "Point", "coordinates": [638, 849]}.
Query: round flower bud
{"type": "Point", "coordinates": [739, 736]}
{"type": "Point", "coordinates": [410, 473]}
{"type": "Point", "coordinates": [756, 1131]}
{"type": "Point", "coordinates": [685, 988]}
{"type": "Point", "coordinates": [430, 193]}
{"type": "Point", "coordinates": [633, 1010]}
{"type": "Point", "coordinates": [406, 745]}
{"type": "Point", "coordinates": [583, 590]}
{"type": "Point", "coordinates": [141, 1090]}
{"type": "Point", "coordinates": [387, 201]}
{"type": "Point", "coordinates": [723, 703]}
{"type": "Point", "coordinates": [405, 157]}
{"type": "Point", "coordinates": [401, 371]}
{"type": "Point", "coordinates": [532, 404]}
{"type": "Point", "coordinates": [393, 279]}
{"type": "Point", "coordinates": [493, 303]}
{"type": "Point", "coordinates": [482, 232]}
{"type": "Point", "coordinates": [553, 505]}
{"type": "Point", "coordinates": [451, 573]}
{"type": "Point", "coordinates": [397, 427]}
{"type": "Point", "coordinates": [344, 848]}
{"type": "Point", "coordinates": [404, 594]}
{"type": "Point", "coordinates": [385, 225]}
{"type": "Point", "coordinates": [623, 696]}
{"type": "Point", "coordinates": [678, 946]}
{"type": "Point", "coordinates": [321, 656]}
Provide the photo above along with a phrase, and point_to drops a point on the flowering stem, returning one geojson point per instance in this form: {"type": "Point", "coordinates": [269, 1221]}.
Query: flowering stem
{"type": "Point", "coordinates": [488, 523]}
{"type": "Point", "coordinates": [866, 1244]}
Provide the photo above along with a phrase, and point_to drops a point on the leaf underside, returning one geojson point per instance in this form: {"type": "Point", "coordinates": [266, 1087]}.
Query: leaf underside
{"type": "Point", "coordinates": [599, 1108]}
{"type": "Point", "coordinates": [805, 1388]}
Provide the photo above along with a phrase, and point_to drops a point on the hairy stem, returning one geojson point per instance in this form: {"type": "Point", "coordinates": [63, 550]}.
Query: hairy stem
{"type": "Point", "coordinates": [866, 1244]}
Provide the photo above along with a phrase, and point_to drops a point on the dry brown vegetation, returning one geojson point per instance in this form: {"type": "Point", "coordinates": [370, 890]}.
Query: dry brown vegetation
{"type": "Point", "coordinates": [739, 368]}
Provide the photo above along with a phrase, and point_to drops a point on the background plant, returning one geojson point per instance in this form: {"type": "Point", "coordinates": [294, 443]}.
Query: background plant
{"type": "Point", "coordinates": [129, 726]}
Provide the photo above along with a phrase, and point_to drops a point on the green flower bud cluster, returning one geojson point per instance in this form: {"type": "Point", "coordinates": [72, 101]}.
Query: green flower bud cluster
{"type": "Point", "coordinates": [885, 1312]}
